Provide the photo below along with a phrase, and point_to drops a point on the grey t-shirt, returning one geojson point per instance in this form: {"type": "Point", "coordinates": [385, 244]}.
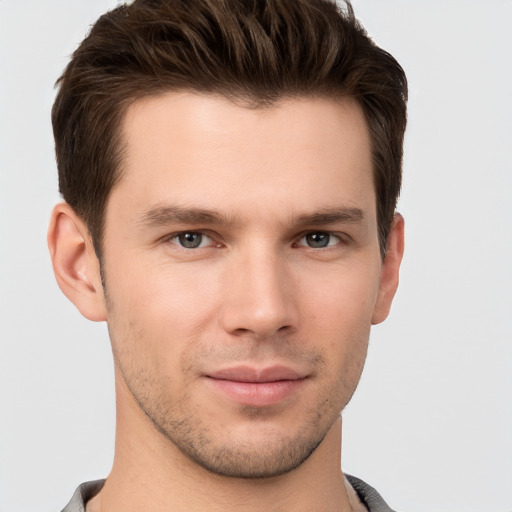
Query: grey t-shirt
{"type": "Point", "coordinates": [367, 494]}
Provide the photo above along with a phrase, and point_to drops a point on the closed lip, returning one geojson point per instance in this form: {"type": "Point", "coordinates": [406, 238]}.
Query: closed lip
{"type": "Point", "coordinates": [252, 374]}
{"type": "Point", "coordinates": [257, 386]}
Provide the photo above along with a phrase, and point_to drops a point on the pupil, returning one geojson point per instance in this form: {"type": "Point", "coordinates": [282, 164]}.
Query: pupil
{"type": "Point", "coordinates": [190, 240]}
{"type": "Point", "coordinates": [318, 240]}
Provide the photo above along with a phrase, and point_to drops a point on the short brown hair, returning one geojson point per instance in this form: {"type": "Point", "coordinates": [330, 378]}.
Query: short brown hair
{"type": "Point", "coordinates": [257, 51]}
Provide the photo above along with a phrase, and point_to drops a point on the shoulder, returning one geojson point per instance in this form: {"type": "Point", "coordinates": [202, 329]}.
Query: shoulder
{"type": "Point", "coordinates": [373, 501]}
{"type": "Point", "coordinates": [82, 495]}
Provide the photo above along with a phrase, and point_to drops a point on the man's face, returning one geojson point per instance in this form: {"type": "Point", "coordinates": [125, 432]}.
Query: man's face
{"type": "Point", "coordinates": [242, 267]}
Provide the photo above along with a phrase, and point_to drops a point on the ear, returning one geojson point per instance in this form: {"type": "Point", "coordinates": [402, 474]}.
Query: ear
{"type": "Point", "coordinates": [390, 270]}
{"type": "Point", "coordinates": [75, 264]}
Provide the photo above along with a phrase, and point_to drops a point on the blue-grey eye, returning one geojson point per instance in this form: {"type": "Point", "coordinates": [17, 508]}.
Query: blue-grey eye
{"type": "Point", "coordinates": [319, 239]}
{"type": "Point", "coordinates": [190, 240]}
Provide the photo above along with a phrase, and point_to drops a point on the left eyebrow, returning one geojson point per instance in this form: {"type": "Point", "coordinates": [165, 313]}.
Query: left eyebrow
{"type": "Point", "coordinates": [330, 216]}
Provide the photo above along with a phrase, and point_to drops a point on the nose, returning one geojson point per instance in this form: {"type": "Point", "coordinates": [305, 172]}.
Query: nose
{"type": "Point", "coordinates": [260, 298]}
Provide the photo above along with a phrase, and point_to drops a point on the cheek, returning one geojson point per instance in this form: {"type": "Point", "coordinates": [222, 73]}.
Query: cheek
{"type": "Point", "coordinates": [336, 315]}
{"type": "Point", "coordinates": [342, 298]}
{"type": "Point", "coordinates": [161, 294]}
{"type": "Point", "coordinates": [157, 314]}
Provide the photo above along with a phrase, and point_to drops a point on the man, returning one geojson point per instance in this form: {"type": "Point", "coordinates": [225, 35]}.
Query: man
{"type": "Point", "coordinates": [230, 170]}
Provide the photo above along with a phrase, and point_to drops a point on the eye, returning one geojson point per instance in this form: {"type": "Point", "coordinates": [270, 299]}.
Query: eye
{"type": "Point", "coordinates": [319, 240]}
{"type": "Point", "coordinates": [191, 240]}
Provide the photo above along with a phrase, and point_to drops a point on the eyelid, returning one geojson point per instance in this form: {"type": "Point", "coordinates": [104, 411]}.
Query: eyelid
{"type": "Point", "coordinates": [205, 233]}
{"type": "Point", "coordinates": [342, 238]}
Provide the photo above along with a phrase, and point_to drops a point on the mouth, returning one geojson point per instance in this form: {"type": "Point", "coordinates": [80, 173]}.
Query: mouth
{"type": "Point", "coordinates": [257, 387]}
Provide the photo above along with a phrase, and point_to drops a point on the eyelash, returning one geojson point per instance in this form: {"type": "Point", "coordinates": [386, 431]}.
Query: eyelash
{"type": "Point", "coordinates": [341, 240]}
{"type": "Point", "coordinates": [322, 233]}
{"type": "Point", "coordinates": [172, 236]}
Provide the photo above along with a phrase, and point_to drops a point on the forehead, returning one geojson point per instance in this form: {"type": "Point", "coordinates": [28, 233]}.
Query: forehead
{"type": "Point", "coordinates": [193, 148]}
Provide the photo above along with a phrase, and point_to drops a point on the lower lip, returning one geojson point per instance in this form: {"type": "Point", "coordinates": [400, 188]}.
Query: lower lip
{"type": "Point", "coordinates": [257, 394]}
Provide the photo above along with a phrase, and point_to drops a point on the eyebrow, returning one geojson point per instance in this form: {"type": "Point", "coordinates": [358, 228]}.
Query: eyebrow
{"type": "Point", "coordinates": [163, 215]}
{"type": "Point", "coordinates": [330, 216]}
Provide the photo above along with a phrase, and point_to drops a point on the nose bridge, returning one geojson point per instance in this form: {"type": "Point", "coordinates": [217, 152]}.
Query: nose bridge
{"type": "Point", "coordinates": [260, 292]}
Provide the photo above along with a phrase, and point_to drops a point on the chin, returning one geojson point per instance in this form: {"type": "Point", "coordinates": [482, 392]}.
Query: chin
{"type": "Point", "coordinates": [254, 462]}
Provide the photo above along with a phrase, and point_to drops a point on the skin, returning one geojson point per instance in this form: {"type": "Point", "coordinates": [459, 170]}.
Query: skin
{"type": "Point", "coordinates": [261, 191]}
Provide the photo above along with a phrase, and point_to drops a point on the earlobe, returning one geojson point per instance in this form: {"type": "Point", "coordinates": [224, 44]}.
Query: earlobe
{"type": "Point", "coordinates": [390, 270]}
{"type": "Point", "coordinates": [75, 264]}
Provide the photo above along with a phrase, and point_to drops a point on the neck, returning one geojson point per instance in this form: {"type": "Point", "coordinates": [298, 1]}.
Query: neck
{"type": "Point", "coordinates": [149, 473]}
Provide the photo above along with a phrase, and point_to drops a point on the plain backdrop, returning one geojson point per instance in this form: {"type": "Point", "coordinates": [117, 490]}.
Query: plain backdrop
{"type": "Point", "coordinates": [431, 423]}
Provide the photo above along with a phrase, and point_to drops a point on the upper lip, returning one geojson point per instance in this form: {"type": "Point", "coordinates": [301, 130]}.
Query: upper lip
{"type": "Point", "coordinates": [252, 374]}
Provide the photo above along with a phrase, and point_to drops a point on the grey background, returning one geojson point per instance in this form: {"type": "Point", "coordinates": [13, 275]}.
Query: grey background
{"type": "Point", "coordinates": [431, 423]}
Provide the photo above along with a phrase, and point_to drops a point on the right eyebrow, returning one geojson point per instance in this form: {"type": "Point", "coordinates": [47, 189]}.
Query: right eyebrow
{"type": "Point", "coordinates": [162, 215]}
